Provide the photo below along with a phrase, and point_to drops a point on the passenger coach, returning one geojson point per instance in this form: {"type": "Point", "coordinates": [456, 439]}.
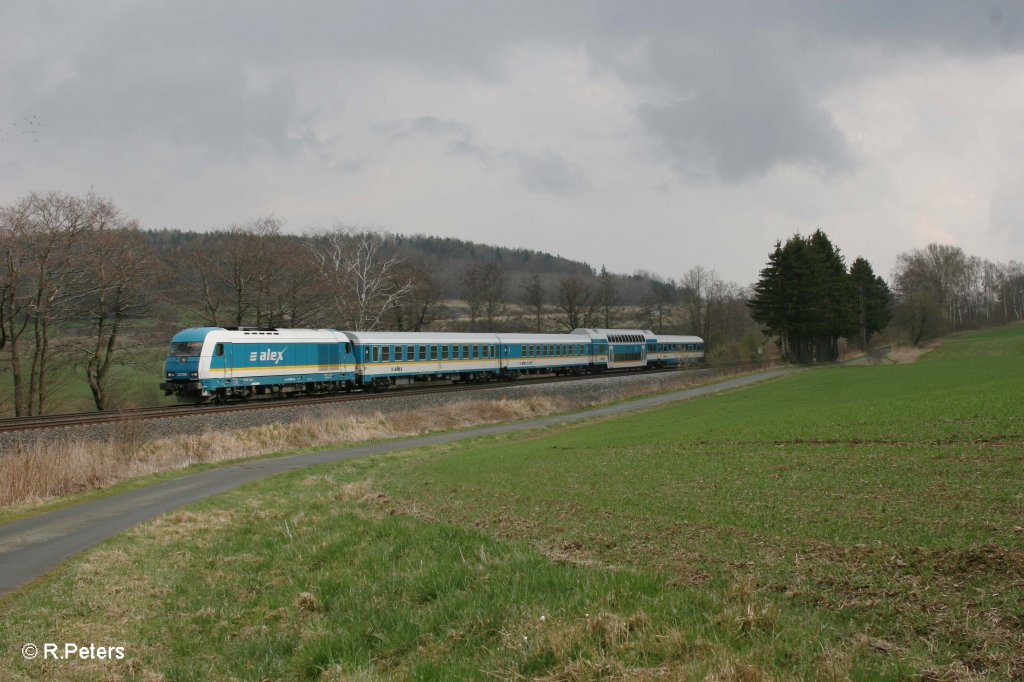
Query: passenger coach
{"type": "Point", "coordinates": [386, 358]}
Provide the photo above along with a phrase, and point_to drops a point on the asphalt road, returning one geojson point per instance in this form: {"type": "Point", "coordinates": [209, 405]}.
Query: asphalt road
{"type": "Point", "coordinates": [29, 547]}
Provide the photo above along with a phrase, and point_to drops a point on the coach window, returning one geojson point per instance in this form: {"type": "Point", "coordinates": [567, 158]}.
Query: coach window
{"type": "Point", "coordinates": [476, 351]}
{"type": "Point", "coordinates": [387, 353]}
{"type": "Point", "coordinates": [444, 352]}
{"type": "Point", "coordinates": [423, 352]}
{"type": "Point", "coordinates": [433, 352]}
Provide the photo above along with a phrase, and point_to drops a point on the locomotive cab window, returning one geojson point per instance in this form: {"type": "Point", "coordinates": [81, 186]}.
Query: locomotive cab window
{"type": "Point", "coordinates": [218, 349]}
{"type": "Point", "coordinates": [186, 348]}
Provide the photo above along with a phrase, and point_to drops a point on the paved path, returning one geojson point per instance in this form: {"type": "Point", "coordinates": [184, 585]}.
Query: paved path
{"type": "Point", "coordinates": [29, 547]}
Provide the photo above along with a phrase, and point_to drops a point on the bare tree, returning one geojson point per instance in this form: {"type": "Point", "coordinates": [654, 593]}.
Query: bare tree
{"type": "Point", "coordinates": [657, 304]}
{"type": "Point", "coordinates": [574, 300]}
{"type": "Point", "coordinates": [43, 242]}
{"type": "Point", "coordinates": [423, 304]}
{"type": "Point", "coordinates": [483, 286]}
{"type": "Point", "coordinates": [606, 298]}
{"type": "Point", "coordinates": [233, 274]}
{"type": "Point", "coordinates": [533, 294]}
{"type": "Point", "coordinates": [362, 275]}
{"type": "Point", "coordinates": [119, 266]}
{"type": "Point", "coordinates": [704, 292]}
{"type": "Point", "coordinates": [295, 297]}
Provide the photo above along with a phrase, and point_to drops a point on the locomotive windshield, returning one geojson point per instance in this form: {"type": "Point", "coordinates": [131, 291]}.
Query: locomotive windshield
{"type": "Point", "coordinates": [181, 348]}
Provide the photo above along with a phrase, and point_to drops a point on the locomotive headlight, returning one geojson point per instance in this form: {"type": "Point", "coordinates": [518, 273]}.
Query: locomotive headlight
{"type": "Point", "coordinates": [193, 374]}
{"type": "Point", "coordinates": [170, 375]}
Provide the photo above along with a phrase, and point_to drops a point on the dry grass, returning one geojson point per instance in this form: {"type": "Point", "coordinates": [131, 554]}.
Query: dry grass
{"type": "Point", "coordinates": [36, 473]}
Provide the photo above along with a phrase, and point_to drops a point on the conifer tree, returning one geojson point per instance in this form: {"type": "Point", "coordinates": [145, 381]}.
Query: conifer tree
{"type": "Point", "coordinates": [806, 297]}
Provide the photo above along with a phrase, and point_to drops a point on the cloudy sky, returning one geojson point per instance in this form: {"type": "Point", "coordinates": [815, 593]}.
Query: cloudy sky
{"type": "Point", "coordinates": [639, 135]}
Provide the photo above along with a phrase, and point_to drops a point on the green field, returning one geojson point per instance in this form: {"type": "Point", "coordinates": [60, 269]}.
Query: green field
{"type": "Point", "coordinates": [845, 522]}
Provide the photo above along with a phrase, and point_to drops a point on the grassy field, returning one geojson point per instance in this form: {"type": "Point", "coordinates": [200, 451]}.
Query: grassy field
{"type": "Point", "coordinates": [845, 523]}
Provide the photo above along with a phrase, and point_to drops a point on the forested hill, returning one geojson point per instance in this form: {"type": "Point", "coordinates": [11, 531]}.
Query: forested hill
{"type": "Point", "coordinates": [447, 258]}
{"type": "Point", "coordinates": [440, 253]}
{"type": "Point", "coordinates": [446, 253]}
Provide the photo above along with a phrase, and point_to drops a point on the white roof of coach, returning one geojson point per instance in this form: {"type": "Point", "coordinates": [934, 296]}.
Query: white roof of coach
{"type": "Point", "coordinates": [538, 338]}
{"type": "Point", "coordinates": [680, 339]}
{"type": "Point", "coordinates": [413, 338]}
{"type": "Point", "coordinates": [596, 333]}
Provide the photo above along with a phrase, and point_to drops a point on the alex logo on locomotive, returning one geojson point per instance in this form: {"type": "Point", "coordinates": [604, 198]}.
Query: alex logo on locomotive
{"type": "Point", "coordinates": [268, 355]}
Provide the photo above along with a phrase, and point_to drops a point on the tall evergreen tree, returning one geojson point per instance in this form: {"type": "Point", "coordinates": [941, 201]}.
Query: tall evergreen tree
{"type": "Point", "coordinates": [872, 300]}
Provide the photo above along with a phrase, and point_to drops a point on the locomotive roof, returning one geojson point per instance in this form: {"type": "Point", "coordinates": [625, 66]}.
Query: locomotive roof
{"type": "Point", "coordinates": [259, 335]}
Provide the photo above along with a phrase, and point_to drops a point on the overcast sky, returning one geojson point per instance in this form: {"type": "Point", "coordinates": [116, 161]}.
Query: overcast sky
{"type": "Point", "coordinates": [638, 135]}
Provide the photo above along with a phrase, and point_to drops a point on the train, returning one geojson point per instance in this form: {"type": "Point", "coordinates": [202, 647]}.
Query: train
{"type": "Point", "coordinates": [217, 364]}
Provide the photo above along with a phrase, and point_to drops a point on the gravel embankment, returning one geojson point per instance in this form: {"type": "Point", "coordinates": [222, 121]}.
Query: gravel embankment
{"type": "Point", "coordinates": [582, 392]}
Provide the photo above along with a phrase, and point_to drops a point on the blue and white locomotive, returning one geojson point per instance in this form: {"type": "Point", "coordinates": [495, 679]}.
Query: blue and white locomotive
{"type": "Point", "coordinates": [221, 363]}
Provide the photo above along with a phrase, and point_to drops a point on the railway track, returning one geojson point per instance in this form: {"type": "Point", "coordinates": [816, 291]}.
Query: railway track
{"type": "Point", "coordinates": [172, 411]}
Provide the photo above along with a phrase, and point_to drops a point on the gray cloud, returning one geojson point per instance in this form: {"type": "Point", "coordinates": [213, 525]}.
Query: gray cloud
{"type": "Point", "coordinates": [429, 125]}
{"type": "Point", "coordinates": [348, 104]}
{"type": "Point", "coordinates": [186, 71]}
{"type": "Point", "coordinates": [551, 174]}
{"type": "Point", "coordinates": [546, 172]}
{"type": "Point", "coordinates": [741, 133]}
{"type": "Point", "coordinates": [177, 98]}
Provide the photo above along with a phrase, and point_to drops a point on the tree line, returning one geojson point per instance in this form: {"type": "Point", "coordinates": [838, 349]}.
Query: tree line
{"type": "Point", "coordinates": [808, 299]}
{"type": "Point", "coordinates": [83, 289]}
